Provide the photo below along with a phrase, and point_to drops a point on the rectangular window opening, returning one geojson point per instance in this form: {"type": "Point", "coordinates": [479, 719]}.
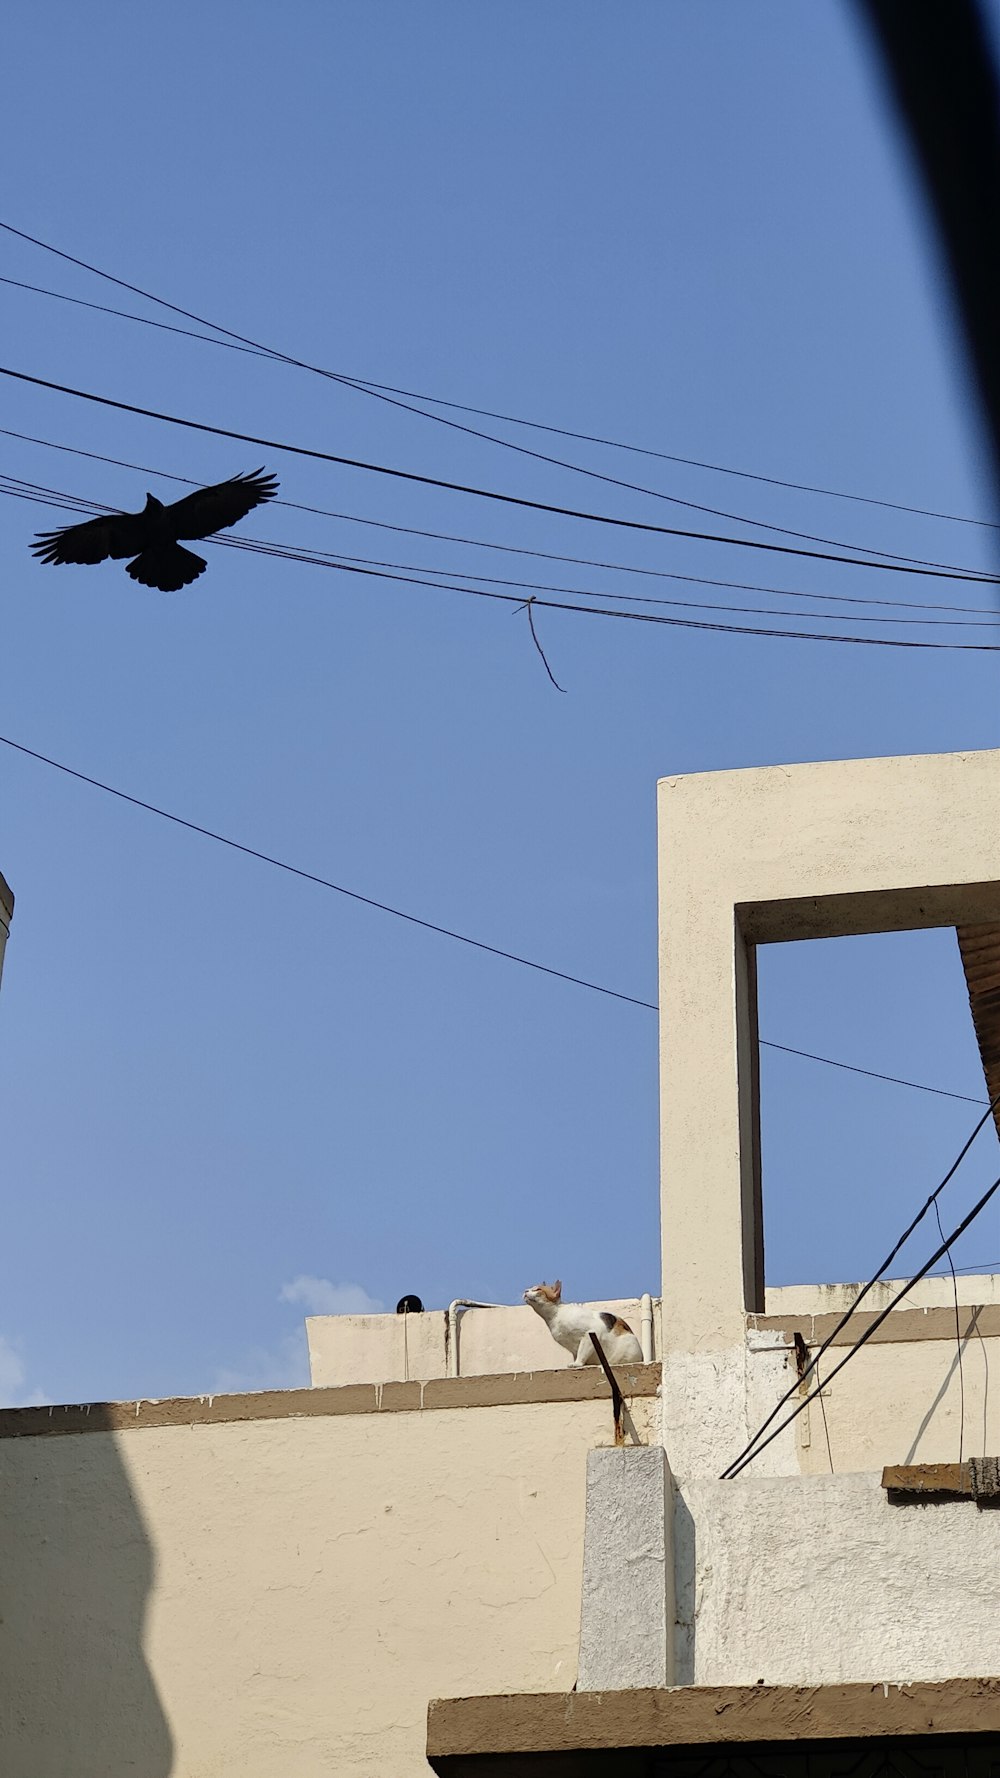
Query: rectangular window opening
{"type": "Point", "coordinates": [848, 1158]}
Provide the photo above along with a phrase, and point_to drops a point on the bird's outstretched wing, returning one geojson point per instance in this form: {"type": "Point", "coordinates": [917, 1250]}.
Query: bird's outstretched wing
{"type": "Point", "coordinates": [212, 509]}
{"type": "Point", "coordinates": [114, 534]}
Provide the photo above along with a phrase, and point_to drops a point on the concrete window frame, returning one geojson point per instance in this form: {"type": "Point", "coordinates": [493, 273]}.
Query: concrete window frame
{"type": "Point", "coordinates": [762, 856]}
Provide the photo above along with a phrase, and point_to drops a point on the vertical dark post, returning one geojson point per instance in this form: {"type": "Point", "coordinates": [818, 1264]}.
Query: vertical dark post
{"type": "Point", "coordinates": [748, 1072]}
{"type": "Point", "coordinates": [617, 1400]}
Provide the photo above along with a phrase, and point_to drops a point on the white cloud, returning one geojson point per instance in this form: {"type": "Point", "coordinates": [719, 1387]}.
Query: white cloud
{"type": "Point", "coordinates": [286, 1364]}
{"type": "Point", "coordinates": [284, 1367]}
{"type": "Point", "coordinates": [319, 1296]}
{"type": "Point", "coordinates": [12, 1379]}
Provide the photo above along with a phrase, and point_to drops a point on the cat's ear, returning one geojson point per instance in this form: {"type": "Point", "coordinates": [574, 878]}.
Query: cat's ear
{"type": "Point", "coordinates": [557, 1290]}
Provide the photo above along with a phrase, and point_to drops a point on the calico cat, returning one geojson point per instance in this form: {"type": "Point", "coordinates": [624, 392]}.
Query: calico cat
{"type": "Point", "coordinates": [571, 1325]}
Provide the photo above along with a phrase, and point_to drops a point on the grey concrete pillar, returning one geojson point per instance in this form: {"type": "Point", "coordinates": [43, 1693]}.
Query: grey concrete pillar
{"type": "Point", "coordinates": [627, 1615]}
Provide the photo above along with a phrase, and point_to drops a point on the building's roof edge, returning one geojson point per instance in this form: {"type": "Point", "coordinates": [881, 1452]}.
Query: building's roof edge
{"type": "Point", "coordinates": [508, 1390]}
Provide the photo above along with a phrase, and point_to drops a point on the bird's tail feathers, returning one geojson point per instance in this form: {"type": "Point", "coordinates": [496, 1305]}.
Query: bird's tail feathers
{"type": "Point", "coordinates": [167, 567]}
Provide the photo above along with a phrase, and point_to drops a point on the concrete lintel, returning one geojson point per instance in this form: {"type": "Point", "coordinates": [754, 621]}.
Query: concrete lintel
{"type": "Point", "coordinates": [463, 1732]}
{"type": "Point", "coordinates": [627, 1615]}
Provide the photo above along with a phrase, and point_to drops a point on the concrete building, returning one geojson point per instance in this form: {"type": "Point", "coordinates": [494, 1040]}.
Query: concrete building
{"type": "Point", "coordinates": [446, 1550]}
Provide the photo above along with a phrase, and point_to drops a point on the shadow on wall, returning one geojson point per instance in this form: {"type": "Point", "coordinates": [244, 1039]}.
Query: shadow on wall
{"type": "Point", "coordinates": [954, 1368]}
{"type": "Point", "coordinates": [685, 1554]}
{"type": "Point", "coordinates": [76, 1568]}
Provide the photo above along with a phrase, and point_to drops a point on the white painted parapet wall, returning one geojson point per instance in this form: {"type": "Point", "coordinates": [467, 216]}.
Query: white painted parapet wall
{"type": "Point", "coordinates": [469, 1343]}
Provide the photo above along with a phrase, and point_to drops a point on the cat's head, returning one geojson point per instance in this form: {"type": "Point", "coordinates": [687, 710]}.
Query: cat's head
{"type": "Point", "coordinates": [544, 1293]}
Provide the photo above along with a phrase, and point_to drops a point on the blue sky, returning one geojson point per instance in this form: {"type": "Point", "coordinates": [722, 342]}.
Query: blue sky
{"type": "Point", "coordinates": [226, 1096]}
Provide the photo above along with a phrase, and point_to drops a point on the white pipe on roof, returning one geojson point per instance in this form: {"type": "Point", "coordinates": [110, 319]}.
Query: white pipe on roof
{"type": "Point", "coordinates": [646, 1327]}
{"type": "Point", "coordinates": [451, 1330]}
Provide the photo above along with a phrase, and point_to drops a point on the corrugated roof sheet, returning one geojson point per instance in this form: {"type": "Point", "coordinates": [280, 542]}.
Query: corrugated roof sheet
{"type": "Point", "coordinates": [980, 949]}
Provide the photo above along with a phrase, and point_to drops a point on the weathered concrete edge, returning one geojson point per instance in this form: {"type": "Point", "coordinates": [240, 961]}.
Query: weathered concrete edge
{"type": "Point", "coordinates": [520, 1388]}
{"type": "Point", "coordinates": [902, 1325]}
{"type": "Point", "coordinates": [6, 898]}
{"type": "Point", "coordinates": [683, 1716]}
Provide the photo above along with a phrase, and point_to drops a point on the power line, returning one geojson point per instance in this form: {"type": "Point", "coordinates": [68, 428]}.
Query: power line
{"type": "Point", "coordinates": [871, 1073]}
{"type": "Point", "coordinates": [324, 882]}
{"type": "Point", "coordinates": [983, 1266]}
{"type": "Point", "coordinates": [377, 393]}
{"type": "Point", "coordinates": [241, 343]}
{"type": "Point", "coordinates": [518, 549]}
{"type": "Point", "coordinates": [338, 559]}
{"type": "Point", "coordinates": [281, 553]}
{"type": "Point", "coordinates": [749, 1451]}
{"type": "Point", "coordinates": [933, 570]}
{"type": "Point", "coordinates": [429, 925]}
{"type": "Point", "coordinates": [43, 495]}
{"type": "Point", "coordinates": [318, 559]}
{"type": "Point", "coordinates": [741, 1463]}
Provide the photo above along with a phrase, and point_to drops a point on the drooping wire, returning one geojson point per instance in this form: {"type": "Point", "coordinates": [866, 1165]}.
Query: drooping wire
{"type": "Point", "coordinates": [406, 400]}
{"type": "Point", "coordinates": [934, 571]}
{"type": "Point", "coordinates": [742, 1462]}
{"type": "Point", "coordinates": [377, 393]}
{"type": "Point", "coordinates": [383, 907]}
{"type": "Point", "coordinates": [280, 553]}
{"type": "Point", "coordinates": [318, 559]}
{"type": "Point", "coordinates": [295, 870]}
{"type": "Point", "coordinates": [872, 1073]}
{"type": "Point", "coordinates": [863, 1292]}
{"type": "Point", "coordinates": [520, 549]}
{"type": "Point", "coordinates": [241, 343]}
{"type": "Point", "coordinates": [43, 495]}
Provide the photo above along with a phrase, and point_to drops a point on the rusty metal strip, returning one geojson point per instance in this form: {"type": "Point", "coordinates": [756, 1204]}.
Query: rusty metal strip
{"type": "Point", "coordinates": [978, 1480]}
{"type": "Point", "coordinates": [927, 1478]}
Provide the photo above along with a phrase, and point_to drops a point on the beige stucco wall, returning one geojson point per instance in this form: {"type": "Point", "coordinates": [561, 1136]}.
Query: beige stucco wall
{"type": "Point", "coordinates": [389, 1348]}
{"type": "Point", "coordinates": [238, 1597]}
{"type": "Point", "coordinates": [899, 1400]}
{"type": "Point", "coordinates": [821, 1580]}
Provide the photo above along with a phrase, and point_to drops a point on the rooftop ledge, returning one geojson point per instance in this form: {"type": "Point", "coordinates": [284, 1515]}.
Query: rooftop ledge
{"type": "Point", "coordinates": [509, 1390]}
{"type": "Point", "coordinates": [901, 1325]}
{"type": "Point", "coordinates": [567, 1733]}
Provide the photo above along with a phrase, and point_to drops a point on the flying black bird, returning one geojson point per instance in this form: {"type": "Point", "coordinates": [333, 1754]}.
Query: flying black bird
{"type": "Point", "coordinates": [151, 535]}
